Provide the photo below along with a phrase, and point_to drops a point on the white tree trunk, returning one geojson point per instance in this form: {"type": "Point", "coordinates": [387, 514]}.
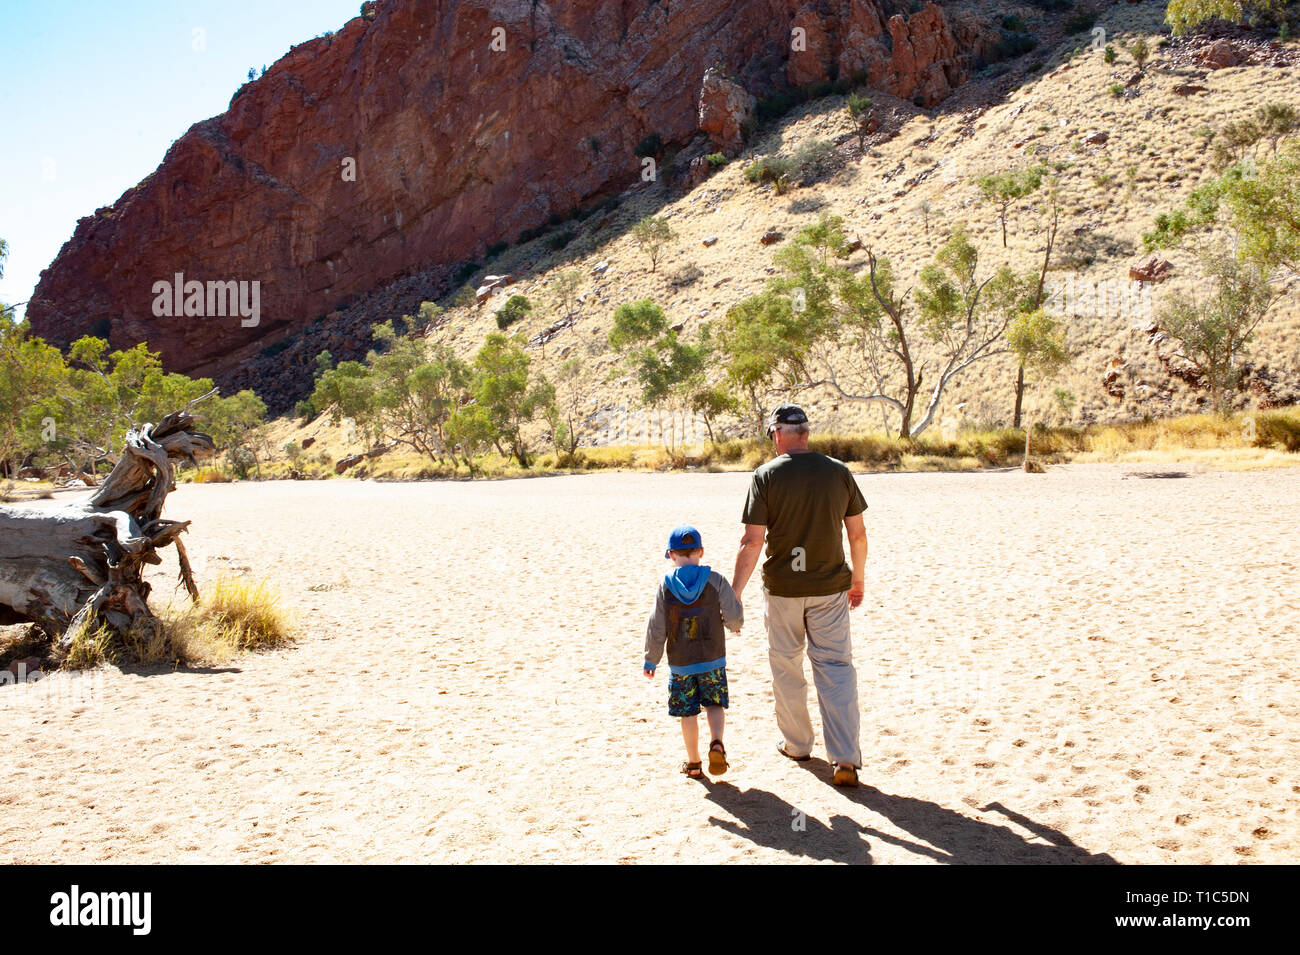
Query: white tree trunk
{"type": "Point", "coordinates": [84, 562]}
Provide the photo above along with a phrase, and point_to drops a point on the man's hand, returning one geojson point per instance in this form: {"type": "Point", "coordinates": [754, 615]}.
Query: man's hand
{"type": "Point", "coordinates": [857, 534]}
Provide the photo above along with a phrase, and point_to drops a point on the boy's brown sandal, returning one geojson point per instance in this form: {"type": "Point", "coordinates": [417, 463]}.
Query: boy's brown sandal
{"type": "Point", "coordinates": [692, 770]}
{"type": "Point", "coordinates": [718, 758]}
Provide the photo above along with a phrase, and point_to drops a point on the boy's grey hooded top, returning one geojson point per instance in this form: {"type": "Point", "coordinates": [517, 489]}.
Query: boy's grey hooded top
{"type": "Point", "coordinates": [693, 605]}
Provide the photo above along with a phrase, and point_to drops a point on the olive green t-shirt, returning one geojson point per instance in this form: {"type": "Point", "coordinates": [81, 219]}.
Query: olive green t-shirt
{"type": "Point", "coordinates": [803, 499]}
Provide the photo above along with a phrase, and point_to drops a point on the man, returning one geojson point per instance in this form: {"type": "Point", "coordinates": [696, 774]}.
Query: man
{"type": "Point", "coordinates": [800, 499]}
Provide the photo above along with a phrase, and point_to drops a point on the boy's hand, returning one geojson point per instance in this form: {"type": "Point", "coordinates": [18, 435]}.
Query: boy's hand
{"type": "Point", "coordinates": [649, 673]}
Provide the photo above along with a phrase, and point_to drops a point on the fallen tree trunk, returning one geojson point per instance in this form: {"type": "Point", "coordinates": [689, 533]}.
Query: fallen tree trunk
{"type": "Point", "coordinates": [83, 563]}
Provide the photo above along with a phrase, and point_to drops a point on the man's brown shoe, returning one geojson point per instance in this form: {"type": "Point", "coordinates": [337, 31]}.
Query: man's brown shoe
{"type": "Point", "coordinates": [845, 776]}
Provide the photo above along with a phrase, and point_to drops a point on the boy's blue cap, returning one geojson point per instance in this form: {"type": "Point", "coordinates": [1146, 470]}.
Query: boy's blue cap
{"type": "Point", "coordinates": [683, 537]}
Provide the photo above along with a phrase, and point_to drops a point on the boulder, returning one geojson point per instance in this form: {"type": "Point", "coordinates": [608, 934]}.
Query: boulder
{"type": "Point", "coordinates": [1218, 55]}
{"type": "Point", "coordinates": [725, 110]}
{"type": "Point", "coordinates": [770, 236]}
{"type": "Point", "coordinates": [1154, 269]}
{"type": "Point", "coordinates": [351, 460]}
{"type": "Point", "coordinates": [491, 285]}
{"type": "Point", "coordinates": [699, 171]}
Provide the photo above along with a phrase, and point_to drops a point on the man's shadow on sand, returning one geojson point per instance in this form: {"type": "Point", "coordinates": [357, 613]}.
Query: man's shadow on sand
{"type": "Point", "coordinates": [944, 835]}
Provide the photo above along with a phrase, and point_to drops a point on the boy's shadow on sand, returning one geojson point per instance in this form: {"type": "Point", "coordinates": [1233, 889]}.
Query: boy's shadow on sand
{"type": "Point", "coordinates": [944, 835]}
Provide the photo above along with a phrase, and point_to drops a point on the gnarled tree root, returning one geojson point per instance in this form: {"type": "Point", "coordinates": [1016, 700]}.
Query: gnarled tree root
{"type": "Point", "coordinates": [83, 563]}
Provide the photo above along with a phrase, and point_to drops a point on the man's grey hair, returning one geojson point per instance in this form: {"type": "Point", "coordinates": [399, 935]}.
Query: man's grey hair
{"type": "Point", "coordinates": [792, 428]}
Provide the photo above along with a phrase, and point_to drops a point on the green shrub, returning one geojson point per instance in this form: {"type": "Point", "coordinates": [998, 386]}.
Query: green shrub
{"type": "Point", "coordinates": [813, 158]}
{"type": "Point", "coordinates": [1116, 90]}
{"type": "Point", "coordinates": [652, 145]}
{"type": "Point", "coordinates": [775, 106]}
{"type": "Point", "coordinates": [558, 241]}
{"type": "Point", "coordinates": [465, 272]}
{"type": "Point", "coordinates": [716, 159]}
{"type": "Point", "coordinates": [773, 169]}
{"type": "Point", "coordinates": [1140, 52]}
{"type": "Point", "coordinates": [1079, 21]}
{"type": "Point", "coordinates": [1013, 45]}
{"type": "Point", "coordinates": [1109, 55]}
{"type": "Point", "coordinates": [1014, 24]}
{"type": "Point", "coordinates": [514, 310]}
{"type": "Point", "coordinates": [858, 106]}
{"type": "Point", "coordinates": [496, 248]}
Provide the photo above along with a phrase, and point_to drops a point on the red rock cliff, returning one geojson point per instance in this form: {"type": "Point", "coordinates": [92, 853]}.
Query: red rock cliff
{"type": "Point", "coordinates": [456, 145]}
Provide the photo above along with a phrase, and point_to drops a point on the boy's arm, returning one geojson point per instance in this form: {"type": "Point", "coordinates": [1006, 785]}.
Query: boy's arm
{"type": "Point", "coordinates": [733, 612]}
{"type": "Point", "coordinates": [656, 632]}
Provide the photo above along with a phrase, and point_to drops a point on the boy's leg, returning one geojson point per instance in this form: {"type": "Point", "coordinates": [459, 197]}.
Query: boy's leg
{"type": "Point", "coordinates": [717, 719]}
{"type": "Point", "coordinates": [783, 618]}
{"type": "Point", "coordinates": [691, 736]}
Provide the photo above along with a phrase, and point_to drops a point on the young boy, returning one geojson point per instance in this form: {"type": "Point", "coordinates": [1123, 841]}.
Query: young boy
{"type": "Point", "coordinates": [692, 607]}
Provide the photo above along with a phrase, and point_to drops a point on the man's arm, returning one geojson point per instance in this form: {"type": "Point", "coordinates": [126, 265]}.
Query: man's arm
{"type": "Point", "coordinates": [858, 552]}
{"type": "Point", "coordinates": [751, 548]}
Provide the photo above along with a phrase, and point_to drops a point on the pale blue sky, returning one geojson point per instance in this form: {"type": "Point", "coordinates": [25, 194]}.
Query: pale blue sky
{"type": "Point", "coordinates": [93, 93]}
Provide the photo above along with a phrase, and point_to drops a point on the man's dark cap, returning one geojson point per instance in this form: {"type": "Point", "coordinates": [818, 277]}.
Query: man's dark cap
{"type": "Point", "coordinates": [786, 414]}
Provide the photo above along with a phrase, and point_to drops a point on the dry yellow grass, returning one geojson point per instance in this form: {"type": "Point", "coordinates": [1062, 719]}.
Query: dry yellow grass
{"type": "Point", "coordinates": [89, 648]}
{"type": "Point", "coordinates": [232, 616]}
{"type": "Point", "coordinates": [210, 476]}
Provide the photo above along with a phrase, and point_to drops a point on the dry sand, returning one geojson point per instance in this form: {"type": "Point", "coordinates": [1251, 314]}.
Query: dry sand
{"type": "Point", "coordinates": [1078, 667]}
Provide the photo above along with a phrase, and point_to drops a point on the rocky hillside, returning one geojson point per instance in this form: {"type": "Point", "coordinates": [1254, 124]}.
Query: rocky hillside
{"type": "Point", "coordinates": [423, 133]}
{"type": "Point", "coordinates": [1124, 144]}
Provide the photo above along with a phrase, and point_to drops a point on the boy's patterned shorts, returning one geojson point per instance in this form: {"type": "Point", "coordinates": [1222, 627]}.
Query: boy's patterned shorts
{"type": "Point", "coordinates": [686, 694]}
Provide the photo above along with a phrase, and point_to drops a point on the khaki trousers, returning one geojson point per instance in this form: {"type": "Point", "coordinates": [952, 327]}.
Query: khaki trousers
{"type": "Point", "coordinates": [824, 623]}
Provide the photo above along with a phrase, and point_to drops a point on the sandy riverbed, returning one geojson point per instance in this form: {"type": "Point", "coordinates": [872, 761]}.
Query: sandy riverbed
{"type": "Point", "coordinates": [1082, 666]}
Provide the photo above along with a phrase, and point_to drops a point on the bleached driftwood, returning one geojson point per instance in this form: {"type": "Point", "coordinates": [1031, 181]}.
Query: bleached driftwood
{"type": "Point", "coordinates": [84, 561]}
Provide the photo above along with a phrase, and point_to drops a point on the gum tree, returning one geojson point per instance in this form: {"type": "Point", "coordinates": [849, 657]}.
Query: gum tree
{"type": "Point", "coordinates": [860, 335]}
{"type": "Point", "coordinates": [668, 369]}
{"type": "Point", "coordinates": [652, 234]}
{"type": "Point", "coordinates": [1038, 340]}
{"type": "Point", "coordinates": [1005, 189]}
